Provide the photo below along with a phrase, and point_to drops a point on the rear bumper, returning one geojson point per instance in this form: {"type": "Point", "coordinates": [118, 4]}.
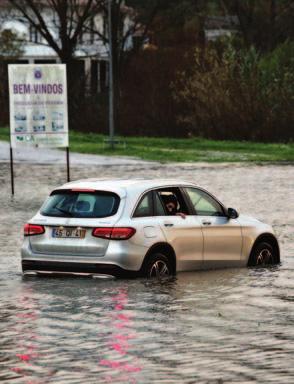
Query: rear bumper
{"type": "Point", "coordinates": [44, 267]}
{"type": "Point", "coordinates": [120, 259]}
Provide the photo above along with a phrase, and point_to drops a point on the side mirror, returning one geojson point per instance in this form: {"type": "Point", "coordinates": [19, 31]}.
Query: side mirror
{"type": "Point", "coordinates": [232, 213]}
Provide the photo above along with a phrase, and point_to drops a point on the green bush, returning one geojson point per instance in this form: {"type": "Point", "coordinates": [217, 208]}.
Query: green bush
{"type": "Point", "coordinates": [238, 94]}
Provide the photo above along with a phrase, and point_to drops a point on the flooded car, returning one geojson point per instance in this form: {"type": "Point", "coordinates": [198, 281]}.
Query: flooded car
{"type": "Point", "coordinates": [151, 228]}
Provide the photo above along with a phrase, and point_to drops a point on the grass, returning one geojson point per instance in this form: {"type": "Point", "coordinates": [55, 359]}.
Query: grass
{"type": "Point", "coordinates": [179, 150]}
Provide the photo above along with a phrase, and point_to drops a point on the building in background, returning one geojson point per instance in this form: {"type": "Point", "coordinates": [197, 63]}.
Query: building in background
{"type": "Point", "coordinates": [220, 26]}
{"type": "Point", "coordinates": [91, 52]}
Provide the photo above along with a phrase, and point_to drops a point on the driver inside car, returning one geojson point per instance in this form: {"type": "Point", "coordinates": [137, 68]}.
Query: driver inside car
{"type": "Point", "coordinates": [171, 204]}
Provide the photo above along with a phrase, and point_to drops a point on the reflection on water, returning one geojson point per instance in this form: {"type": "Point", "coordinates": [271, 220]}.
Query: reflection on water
{"type": "Point", "coordinates": [119, 342]}
{"type": "Point", "coordinates": [202, 327]}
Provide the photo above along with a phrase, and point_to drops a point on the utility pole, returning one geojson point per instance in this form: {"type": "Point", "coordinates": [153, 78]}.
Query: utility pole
{"type": "Point", "coordinates": [111, 93]}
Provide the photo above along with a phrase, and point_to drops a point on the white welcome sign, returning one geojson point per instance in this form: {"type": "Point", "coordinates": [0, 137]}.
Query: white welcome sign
{"type": "Point", "coordinates": [38, 105]}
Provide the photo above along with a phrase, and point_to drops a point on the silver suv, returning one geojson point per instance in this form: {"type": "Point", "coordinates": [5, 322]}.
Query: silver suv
{"type": "Point", "coordinates": [141, 227]}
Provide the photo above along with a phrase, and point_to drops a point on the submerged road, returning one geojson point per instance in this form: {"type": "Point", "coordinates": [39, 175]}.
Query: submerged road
{"type": "Point", "coordinates": [54, 156]}
{"type": "Point", "coordinates": [226, 326]}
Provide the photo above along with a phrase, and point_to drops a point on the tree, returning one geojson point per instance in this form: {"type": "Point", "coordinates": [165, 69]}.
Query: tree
{"type": "Point", "coordinates": [75, 17]}
{"type": "Point", "coordinates": [263, 23]}
{"type": "Point", "coordinates": [11, 47]}
{"type": "Point", "coordinates": [72, 16]}
{"type": "Point", "coordinates": [239, 94]}
{"type": "Point", "coordinates": [68, 18]}
{"type": "Point", "coordinates": [128, 19]}
{"type": "Point", "coordinates": [146, 18]}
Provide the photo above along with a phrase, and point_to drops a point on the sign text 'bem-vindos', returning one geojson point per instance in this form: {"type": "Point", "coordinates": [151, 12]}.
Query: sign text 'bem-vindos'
{"type": "Point", "coordinates": [37, 89]}
{"type": "Point", "coordinates": [38, 105]}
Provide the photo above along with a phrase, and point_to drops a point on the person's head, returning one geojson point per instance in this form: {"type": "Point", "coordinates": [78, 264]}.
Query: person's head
{"type": "Point", "coordinates": [171, 204]}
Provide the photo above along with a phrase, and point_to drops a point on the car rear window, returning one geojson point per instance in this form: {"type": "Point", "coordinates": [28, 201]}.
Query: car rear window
{"type": "Point", "coordinates": [68, 203]}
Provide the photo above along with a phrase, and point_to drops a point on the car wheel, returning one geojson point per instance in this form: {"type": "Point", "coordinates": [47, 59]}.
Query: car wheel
{"type": "Point", "coordinates": [158, 266]}
{"type": "Point", "coordinates": [262, 255]}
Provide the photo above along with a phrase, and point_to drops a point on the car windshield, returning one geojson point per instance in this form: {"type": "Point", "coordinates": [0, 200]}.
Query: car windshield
{"type": "Point", "coordinates": [67, 203]}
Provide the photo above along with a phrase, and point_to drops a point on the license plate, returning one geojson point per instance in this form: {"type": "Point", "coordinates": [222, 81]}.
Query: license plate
{"type": "Point", "coordinates": [73, 233]}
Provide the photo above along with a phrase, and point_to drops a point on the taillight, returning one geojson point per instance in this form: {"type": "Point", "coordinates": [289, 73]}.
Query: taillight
{"type": "Point", "coordinates": [118, 233]}
{"type": "Point", "coordinates": [103, 233]}
{"type": "Point", "coordinates": [32, 229]}
{"type": "Point", "coordinates": [122, 233]}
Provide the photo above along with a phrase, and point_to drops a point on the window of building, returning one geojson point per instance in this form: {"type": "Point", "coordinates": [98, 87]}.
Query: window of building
{"type": "Point", "coordinates": [92, 26]}
{"type": "Point", "coordinates": [35, 36]}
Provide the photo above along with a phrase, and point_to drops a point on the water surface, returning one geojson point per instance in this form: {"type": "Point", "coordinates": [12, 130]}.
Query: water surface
{"type": "Point", "coordinates": [203, 327]}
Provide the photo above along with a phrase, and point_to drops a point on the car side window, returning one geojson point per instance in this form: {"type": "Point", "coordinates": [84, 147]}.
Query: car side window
{"type": "Point", "coordinates": [204, 204]}
{"type": "Point", "coordinates": [144, 208]}
{"type": "Point", "coordinates": [162, 196]}
{"type": "Point", "coordinates": [159, 208]}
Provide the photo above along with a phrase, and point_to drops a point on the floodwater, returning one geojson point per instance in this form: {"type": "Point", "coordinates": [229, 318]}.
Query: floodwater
{"type": "Point", "coordinates": [226, 326]}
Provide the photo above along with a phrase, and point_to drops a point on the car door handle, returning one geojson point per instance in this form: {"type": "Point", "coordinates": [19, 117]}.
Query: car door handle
{"type": "Point", "coordinates": [204, 222]}
{"type": "Point", "coordinates": [168, 225]}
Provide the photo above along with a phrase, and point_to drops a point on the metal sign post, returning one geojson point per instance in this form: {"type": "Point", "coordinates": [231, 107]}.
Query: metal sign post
{"type": "Point", "coordinates": [67, 164]}
{"type": "Point", "coordinates": [38, 108]}
{"type": "Point", "coordinates": [11, 171]}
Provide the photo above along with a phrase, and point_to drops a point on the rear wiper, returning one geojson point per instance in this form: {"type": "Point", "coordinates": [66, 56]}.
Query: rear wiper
{"type": "Point", "coordinates": [64, 211]}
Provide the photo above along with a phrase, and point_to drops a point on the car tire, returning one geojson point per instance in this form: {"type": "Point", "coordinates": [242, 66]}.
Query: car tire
{"type": "Point", "coordinates": [263, 254]}
{"type": "Point", "coordinates": [157, 266]}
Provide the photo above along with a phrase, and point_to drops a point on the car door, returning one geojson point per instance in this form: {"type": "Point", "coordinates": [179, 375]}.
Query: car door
{"type": "Point", "coordinates": [222, 236]}
{"type": "Point", "coordinates": [145, 223]}
{"type": "Point", "coordinates": [183, 234]}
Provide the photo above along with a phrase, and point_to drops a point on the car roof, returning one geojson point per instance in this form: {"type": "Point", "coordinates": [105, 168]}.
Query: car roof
{"type": "Point", "coordinates": [121, 186]}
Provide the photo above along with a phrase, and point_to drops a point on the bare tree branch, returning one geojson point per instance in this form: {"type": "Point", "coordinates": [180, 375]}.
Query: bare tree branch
{"type": "Point", "coordinates": [72, 17]}
{"type": "Point", "coordinates": [41, 27]}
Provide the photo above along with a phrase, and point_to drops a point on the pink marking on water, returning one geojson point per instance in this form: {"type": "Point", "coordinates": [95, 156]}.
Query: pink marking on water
{"type": "Point", "coordinates": [120, 325]}
{"type": "Point", "coordinates": [123, 337]}
{"type": "Point", "coordinates": [16, 369]}
{"type": "Point", "coordinates": [24, 357]}
{"type": "Point", "coordinates": [124, 317]}
{"type": "Point", "coordinates": [121, 349]}
{"type": "Point", "coordinates": [110, 363]}
{"type": "Point", "coordinates": [32, 316]}
{"type": "Point", "coordinates": [131, 368]}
